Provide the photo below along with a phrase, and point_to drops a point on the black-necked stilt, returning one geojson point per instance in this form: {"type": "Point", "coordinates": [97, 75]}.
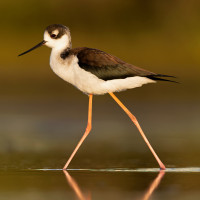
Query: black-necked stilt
{"type": "Point", "coordinates": [94, 72]}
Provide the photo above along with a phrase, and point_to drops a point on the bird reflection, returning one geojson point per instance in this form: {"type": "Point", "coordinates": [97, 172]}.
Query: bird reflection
{"type": "Point", "coordinates": [75, 187]}
{"type": "Point", "coordinates": [73, 184]}
{"type": "Point", "coordinates": [153, 185]}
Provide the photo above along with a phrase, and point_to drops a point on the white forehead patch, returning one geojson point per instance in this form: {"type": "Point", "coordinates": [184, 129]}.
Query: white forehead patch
{"type": "Point", "coordinates": [60, 43]}
{"type": "Point", "coordinates": [55, 32]}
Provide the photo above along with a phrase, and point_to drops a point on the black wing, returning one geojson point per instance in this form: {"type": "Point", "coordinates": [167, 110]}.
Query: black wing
{"type": "Point", "coordinates": [108, 67]}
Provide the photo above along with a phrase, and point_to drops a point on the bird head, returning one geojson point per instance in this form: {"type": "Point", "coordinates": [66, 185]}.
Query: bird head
{"type": "Point", "coordinates": [56, 36]}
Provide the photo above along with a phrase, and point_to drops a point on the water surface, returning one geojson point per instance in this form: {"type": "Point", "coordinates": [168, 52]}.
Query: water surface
{"type": "Point", "coordinates": [149, 183]}
{"type": "Point", "coordinates": [113, 163]}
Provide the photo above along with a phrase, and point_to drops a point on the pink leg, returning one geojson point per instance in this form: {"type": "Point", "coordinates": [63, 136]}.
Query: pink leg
{"type": "Point", "coordinates": [87, 131]}
{"type": "Point", "coordinates": [134, 120]}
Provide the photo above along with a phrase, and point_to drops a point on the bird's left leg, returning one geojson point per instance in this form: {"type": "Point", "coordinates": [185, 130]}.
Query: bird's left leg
{"type": "Point", "coordinates": [134, 120]}
{"type": "Point", "coordinates": [87, 131]}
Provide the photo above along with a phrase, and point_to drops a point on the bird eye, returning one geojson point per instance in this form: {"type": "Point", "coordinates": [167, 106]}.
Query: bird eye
{"type": "Point", "coordinates": [53, 35]}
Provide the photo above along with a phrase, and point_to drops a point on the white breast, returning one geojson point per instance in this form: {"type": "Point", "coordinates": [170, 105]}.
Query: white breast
{"type": "Point", "coordinates": [70, 71]}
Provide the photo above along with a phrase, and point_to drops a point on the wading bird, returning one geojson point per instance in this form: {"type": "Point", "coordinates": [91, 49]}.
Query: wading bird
{"type": "Point", "coordinates": [94, 72]}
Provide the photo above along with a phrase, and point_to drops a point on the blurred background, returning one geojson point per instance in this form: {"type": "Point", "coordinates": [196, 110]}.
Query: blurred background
{"type": "Point", "coordinates": [42, 117]}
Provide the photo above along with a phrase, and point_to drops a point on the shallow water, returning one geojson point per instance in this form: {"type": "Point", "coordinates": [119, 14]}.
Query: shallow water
{"type": "Point", "coordinates": [141, 184]}
{"type": "Point", "coordinates": [113, 163]}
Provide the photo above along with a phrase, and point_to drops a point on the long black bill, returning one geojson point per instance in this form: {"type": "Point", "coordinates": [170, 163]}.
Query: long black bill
{"type": "Point", "coordinates": [36, 46]}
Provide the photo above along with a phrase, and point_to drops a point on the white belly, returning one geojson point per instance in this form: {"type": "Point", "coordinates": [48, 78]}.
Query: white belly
{"type": "Point", "coordinates": [88, 83]}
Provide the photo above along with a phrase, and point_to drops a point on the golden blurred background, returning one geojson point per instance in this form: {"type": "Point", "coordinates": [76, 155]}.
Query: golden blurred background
{"type": "Point", "coordinates": [40, 112]}
{"type": "Point", "coordinates": [161, 36]}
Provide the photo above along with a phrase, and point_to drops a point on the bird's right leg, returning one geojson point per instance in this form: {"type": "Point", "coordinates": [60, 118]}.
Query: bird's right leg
{"type": "Point", "coordinates": [87, 131]}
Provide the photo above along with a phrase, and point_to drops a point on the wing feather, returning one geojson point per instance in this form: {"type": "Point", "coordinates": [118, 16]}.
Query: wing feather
{"type": "Point", "coordinates": [108, 67]}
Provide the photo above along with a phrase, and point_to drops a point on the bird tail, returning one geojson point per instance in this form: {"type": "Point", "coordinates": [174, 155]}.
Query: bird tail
{"type": "Point", "coordinates": [161, 77]}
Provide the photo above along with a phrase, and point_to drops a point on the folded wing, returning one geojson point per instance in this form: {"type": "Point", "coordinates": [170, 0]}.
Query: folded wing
{"type": "Point", "coordinates": [109, 67]}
